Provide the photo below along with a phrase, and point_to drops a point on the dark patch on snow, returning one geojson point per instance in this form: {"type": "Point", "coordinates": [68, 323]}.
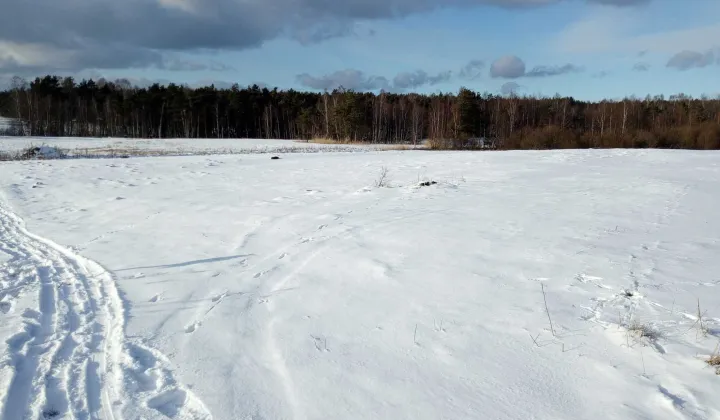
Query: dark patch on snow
{"type": "Point", "coordinates": [427, 183]}
{"type": "Point", "coordinates": [50, 413]}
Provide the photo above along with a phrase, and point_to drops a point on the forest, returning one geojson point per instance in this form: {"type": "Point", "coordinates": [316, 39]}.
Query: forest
{"type": "Point", "coordinates": [61, 106]}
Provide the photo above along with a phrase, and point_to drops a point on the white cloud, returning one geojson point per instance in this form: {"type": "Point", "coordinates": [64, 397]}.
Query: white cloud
{"type": "Point", "coordinates": [188, 6]}
{"type": "Point", "coordinates": [616, 32]}
{"type": "Point", "coordinates": [31, 55]}
{"type": "Point", "coordinates": [686, 60]}
{"type": "Point", "coordinates": [508, 67]}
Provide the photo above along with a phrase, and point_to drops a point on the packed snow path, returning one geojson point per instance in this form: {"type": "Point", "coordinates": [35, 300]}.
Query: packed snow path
{"type": "Point", "coordinates": [71, 359]}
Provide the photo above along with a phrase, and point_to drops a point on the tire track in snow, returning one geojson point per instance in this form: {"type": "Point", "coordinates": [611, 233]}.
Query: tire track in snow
{"type": "Point", "coordinates": [55, 370]}
{"type": "Point", "coordinates": [72, 358]}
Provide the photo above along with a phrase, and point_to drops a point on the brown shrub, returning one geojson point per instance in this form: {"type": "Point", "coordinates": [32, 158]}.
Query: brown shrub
{"type": "Point", "coordinates": [440, 144]}
{"type": "Point", "coordinates": [709, 136]}
{"type": "Point", "coordinates": [643, 139]}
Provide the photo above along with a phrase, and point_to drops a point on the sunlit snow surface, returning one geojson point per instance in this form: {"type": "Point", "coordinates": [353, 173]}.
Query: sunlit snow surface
{"type": "Point", "coordinates": [240, 287]}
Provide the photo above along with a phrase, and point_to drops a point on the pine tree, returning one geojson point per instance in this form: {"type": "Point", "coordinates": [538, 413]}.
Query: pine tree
{"type": "Point", "coordinates": [467, 118]}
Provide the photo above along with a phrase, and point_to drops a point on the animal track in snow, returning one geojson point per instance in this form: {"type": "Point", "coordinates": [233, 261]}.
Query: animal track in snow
{"type": "Point", "coordinates": [682, 404]}
{"type": "Point", "coordinates": [169, 402]}
{"type": "Point", "coordinates": [157, 388]}
{"type": "Point", "coordinates": [597, 281]}
{"type": "Point", "coordinates": [320, 343]}
{"type": "Point", "coordinates": [6, 307]}
{"type": "Point", "coordinates": [192, 327]}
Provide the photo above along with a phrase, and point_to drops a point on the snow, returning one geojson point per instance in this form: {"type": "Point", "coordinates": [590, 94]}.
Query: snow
{"type": "Point", "coordinates": [240, 287]}
{"type": "Point", "coordinates": [117, 147]}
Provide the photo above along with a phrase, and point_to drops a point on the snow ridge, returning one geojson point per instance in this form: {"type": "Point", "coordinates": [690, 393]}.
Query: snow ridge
{"type": "Point", "coordinates": [72, 356]}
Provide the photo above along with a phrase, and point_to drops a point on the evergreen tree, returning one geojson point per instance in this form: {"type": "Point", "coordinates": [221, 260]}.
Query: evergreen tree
{"type": "Point", "coordinates": [468, 113]}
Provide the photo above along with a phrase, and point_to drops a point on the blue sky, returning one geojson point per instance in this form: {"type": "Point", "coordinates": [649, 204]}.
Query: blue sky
{"type": "Point", "coordinates": [585, 49]}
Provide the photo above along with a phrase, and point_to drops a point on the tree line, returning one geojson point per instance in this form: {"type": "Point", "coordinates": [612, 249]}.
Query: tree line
{"type": "Point", "coordinates": [55, 106]}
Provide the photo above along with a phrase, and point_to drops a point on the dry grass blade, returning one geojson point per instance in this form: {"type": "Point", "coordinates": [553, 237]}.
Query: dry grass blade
{"type": "Point", "coordinates": [701, 326]}
{"type": "Point", "coordinates": [383, 179]}
{"type": "Point", "coordinates": [552, 328]}
{"type": "Point", "coordinates": [645, 331]}
{"type": "Point", "coordinates": [714, 359]}
{"type": "Point", "coordinates": [323, 140]}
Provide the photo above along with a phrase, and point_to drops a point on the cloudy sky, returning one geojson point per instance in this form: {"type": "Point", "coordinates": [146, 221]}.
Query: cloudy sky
{"type": "Point", "coordinates": [589, 49]}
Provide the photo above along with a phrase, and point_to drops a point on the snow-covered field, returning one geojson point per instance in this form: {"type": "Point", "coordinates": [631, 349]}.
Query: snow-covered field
{"type": "Point", "coordinates": [240, 287]}
{"type": "Point", "coordinates": [116, 147]}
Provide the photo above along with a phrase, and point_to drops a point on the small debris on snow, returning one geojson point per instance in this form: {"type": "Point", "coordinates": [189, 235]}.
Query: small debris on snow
{"type": "Point", "coordinates": [50, 413]}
